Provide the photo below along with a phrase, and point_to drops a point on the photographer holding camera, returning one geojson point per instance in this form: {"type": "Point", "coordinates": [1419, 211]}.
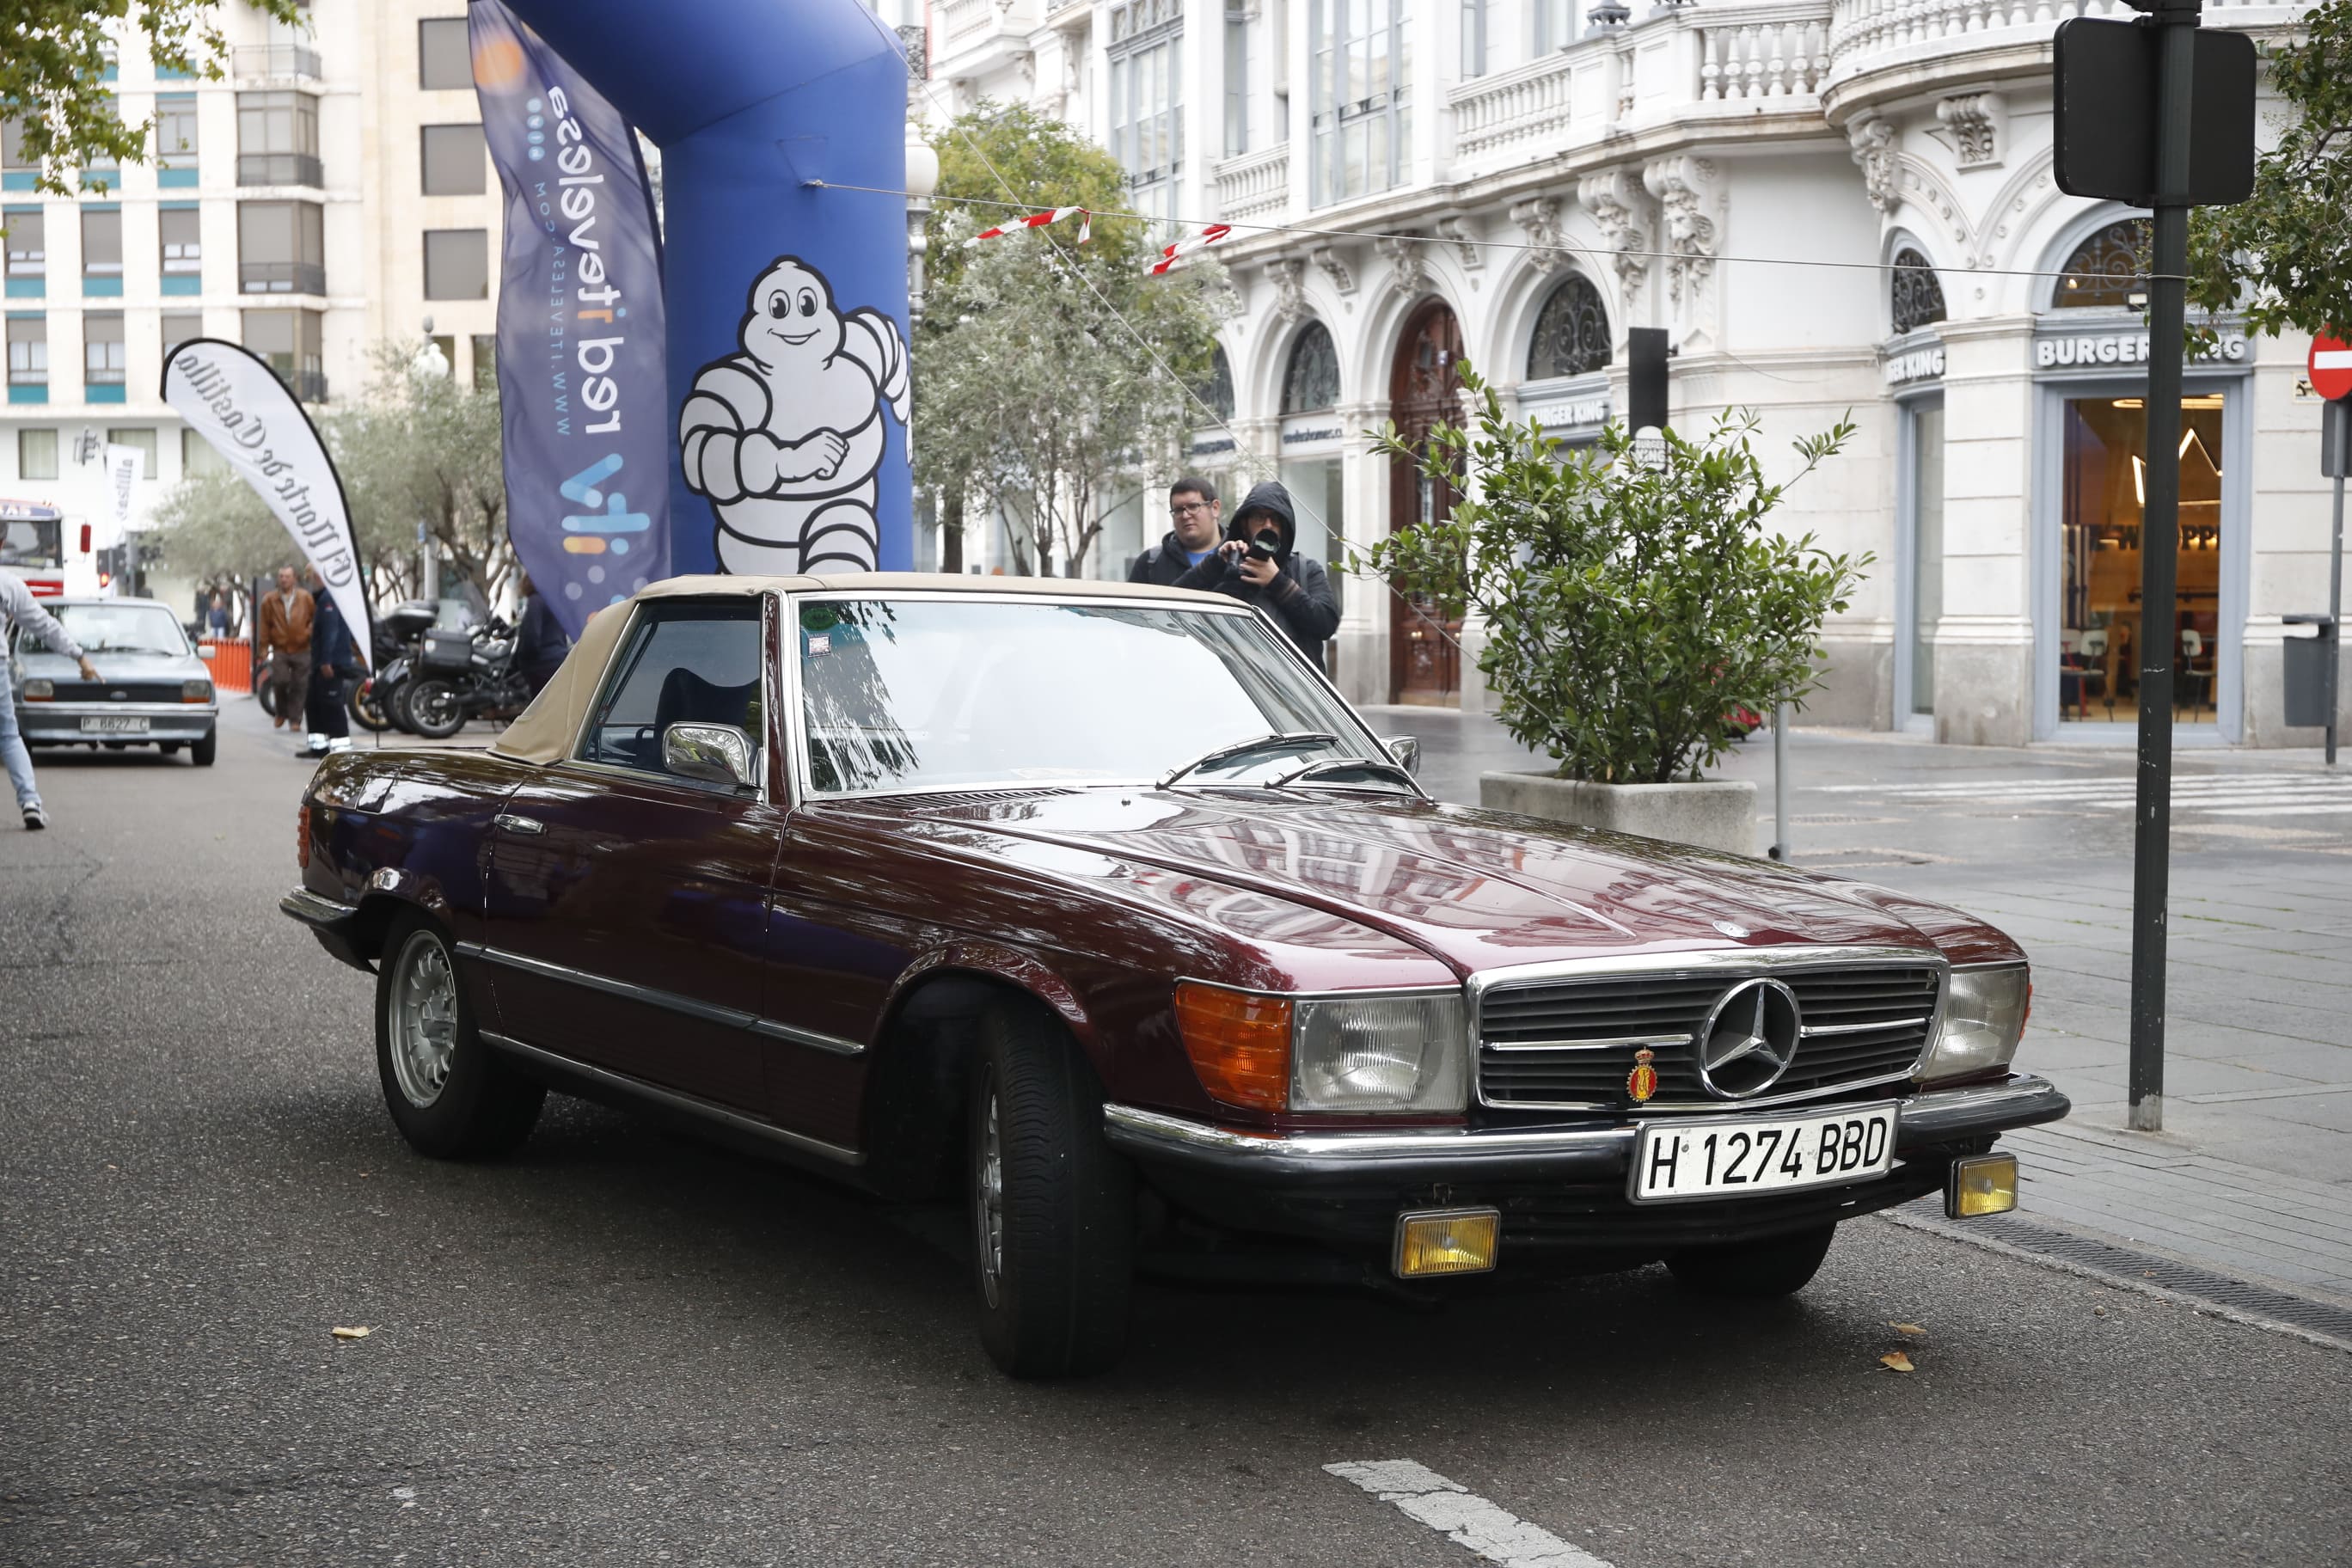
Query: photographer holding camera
{"type": "Point", "coordinates": [1257, 565]}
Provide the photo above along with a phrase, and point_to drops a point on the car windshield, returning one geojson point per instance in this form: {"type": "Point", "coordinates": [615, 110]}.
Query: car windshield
{"type": "Point", "coordinates": [122, 628]}
{"type": "Point", "coordinates": [900, 694]}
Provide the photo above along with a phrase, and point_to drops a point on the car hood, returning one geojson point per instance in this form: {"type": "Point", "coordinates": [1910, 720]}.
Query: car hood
{"type": "Point", "coordinates": [115, 665]}
{"type": "Point", "coordinates": [1479, 889]}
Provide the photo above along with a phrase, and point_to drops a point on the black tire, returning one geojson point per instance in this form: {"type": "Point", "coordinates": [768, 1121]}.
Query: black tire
{"type": "Point", "coordinates": [202, 753]}
{"type": "Point", "coordinates": [435, 709]}
{"type": "Point", "coordinates": [1054, 1272]}
{"type": "Point", "coordinates": [480, 1106]}
{"type": "Point", "coordinates": [396, 706]}
{"type": "Point", "coordinates": [265, 693]}
{"type": "Point", "coordinates": [366, 709]}
{"type": "Point", "coordinates": [1779, 1266]}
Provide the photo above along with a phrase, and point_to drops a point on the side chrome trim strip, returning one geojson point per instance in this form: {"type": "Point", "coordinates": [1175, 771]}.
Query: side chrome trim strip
{"type": "Point", "coordinates": [670, 1000]}
{"type": "Point", "coordinates": [315, 909]}
{"type": "Point", "coordinates": [693, 1105]}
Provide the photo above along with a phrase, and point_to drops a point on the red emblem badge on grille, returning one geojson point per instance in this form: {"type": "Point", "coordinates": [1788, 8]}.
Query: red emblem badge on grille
{"type": "Point", "coordinates": [1643, 1081]}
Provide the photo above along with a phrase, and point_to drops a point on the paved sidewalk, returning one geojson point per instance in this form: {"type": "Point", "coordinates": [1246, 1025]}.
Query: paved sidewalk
{"type": "Point", "coordinates": [2252, 1176]}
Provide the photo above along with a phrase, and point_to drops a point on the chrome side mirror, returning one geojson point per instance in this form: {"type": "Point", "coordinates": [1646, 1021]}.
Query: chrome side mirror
{"type": "Point", "coordinates": [1406, 750]}
{"type": "Point", "coordinates": [715, 753]}
{"type": "Point", "coordinates": [203, 650]}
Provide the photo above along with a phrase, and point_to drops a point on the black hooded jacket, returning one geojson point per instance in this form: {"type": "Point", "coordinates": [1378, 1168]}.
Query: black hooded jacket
{"type": "Point", "coordinates": [1299, 598]}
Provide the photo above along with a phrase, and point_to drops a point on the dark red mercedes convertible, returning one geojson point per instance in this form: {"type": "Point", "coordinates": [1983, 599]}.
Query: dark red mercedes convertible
{"type": "Point", "coordinates": [1097, 905]}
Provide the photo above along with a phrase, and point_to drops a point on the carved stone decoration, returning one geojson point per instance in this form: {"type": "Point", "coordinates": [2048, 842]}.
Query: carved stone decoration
{"type": "Point", "coordinates": [914, 42]}
{"type": "Point", "coordinates": [1288, 275]}
{"type": "Point", "coordinates": [1873, 152]}
{"type": "Point", "coordinates": [1539, 217]}
{"type": "Point", "coordinates": [1457, 233]}
{"type": "Point", "coordinates": [1334, 266]}
{"type": "Point", "coordinates": [1025, 69]}
{"type": "Point", "coordinates": [1408, 263]}
{"type": "Point", "coordinates": [1690, 207]}
{"type": "Point", "coordinates": [1619, 203]}
{"type": "Point", "coordinates": [1978, 127]}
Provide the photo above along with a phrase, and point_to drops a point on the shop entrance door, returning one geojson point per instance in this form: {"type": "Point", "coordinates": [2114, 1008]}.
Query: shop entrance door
{"type": "Point", "coordinates": [2101, 627]}
{"type": "Point", "coordinates": [1424, 388]}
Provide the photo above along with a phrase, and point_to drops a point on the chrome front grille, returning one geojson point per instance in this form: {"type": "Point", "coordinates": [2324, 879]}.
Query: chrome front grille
{"type": "Point", "coordinates": [1570, 1043]}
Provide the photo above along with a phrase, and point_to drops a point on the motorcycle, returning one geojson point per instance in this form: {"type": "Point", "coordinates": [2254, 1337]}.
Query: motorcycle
{"type": "Point", "coordinates": [463, 676]}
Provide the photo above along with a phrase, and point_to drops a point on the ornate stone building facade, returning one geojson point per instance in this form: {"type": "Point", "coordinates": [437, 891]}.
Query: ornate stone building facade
{"type": "Point", "coordinates": [1832, 206]}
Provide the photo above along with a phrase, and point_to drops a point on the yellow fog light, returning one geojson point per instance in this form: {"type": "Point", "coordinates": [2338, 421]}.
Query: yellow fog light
{"type": "Point", "coordinates": [1981, 1183]}
{"type": "Point", "coordinates": [1446, 1241]}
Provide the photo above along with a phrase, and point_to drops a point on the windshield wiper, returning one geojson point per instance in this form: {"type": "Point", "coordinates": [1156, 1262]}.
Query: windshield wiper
{"type": "Point", "coordinates": [1277, 741]}
{"type": "Point", "coordinates": [1344, 764]}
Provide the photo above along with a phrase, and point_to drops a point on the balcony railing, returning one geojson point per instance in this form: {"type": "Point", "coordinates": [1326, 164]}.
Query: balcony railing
{"type": "Point", "coordinates": [1527, 102]}
{"type": "Point", "coordinates": [1780, 52]}
{"type": "Point", "coordinates": [274, 62]}
{"type": "Point", "coordinates": [1866, 35]}
{"type": "Point", "coordinates": [281, 277]}
{"type": "Point", "coordinates": [964, 24]}
{"type": "Point", "coordinates": [280, 169]}
{"type": "Point", "coordinates": [1254, 183]}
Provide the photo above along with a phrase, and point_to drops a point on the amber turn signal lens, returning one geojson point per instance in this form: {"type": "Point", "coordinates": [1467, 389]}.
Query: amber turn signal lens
{"type": "Point", "coordinates": [1240, 1044]}
{"type": "Point", "coordinates": [1446, 1241]}
{"type": "Point", "coordinates": [1981, 1184]}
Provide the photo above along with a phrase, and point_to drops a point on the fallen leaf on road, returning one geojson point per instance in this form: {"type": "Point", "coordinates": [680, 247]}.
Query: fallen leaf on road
{"type": "Point", "coordinates": [1914, 1329]}
{"type": "Point", "coordinates": [348, 1333]}
{"type": "Point", "coordinates": [1895, 1361]}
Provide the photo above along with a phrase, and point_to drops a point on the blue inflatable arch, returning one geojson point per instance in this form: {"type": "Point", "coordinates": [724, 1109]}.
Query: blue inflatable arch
{"type": "Point", "coordinates": [787, 304]}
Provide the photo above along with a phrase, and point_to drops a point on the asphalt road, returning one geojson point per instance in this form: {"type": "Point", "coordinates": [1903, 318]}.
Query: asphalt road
{"type": "Point", "coordinates": [625, 1347]}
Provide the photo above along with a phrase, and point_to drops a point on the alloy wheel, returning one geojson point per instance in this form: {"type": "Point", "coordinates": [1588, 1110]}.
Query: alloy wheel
{"type": "Point", "coordinates": [424, 1020]}
{"type": "Point", "coordinates": [988, 1199]}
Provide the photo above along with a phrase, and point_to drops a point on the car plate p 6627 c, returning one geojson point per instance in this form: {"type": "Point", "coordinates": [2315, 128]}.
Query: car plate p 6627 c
{"type": "Point", "coordinates": [1730, 1158]}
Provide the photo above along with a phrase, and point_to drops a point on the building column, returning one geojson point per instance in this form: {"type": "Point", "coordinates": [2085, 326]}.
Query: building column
{"type": "Point", "coordinates": [1364, 610]}
{"type": "Point", "coordinates": [1984, 644]}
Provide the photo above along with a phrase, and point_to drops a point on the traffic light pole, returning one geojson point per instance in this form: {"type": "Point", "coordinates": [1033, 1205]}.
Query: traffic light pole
{"type": "Point", "coordinates": [2176, 24]}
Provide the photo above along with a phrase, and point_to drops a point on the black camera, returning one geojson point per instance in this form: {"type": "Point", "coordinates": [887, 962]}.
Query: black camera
{"type": "Point", "coordinates": [1263, 549]}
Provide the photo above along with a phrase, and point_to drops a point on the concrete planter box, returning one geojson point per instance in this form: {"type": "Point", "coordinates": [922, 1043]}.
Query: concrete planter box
{"type": "Point", "coordinates": [1716, 814]}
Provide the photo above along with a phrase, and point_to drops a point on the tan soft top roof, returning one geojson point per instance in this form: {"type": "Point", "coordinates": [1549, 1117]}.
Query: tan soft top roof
{"type": "Point", "coordinates": [543, 733]}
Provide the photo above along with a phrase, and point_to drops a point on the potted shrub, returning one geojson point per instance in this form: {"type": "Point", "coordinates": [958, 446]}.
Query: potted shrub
{"type": "Point", "coordinates": [1635, 604]}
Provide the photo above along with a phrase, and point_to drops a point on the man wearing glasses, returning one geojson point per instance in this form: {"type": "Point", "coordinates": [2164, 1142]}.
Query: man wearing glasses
{"type": "Point", "coordinates": [1192, 513]}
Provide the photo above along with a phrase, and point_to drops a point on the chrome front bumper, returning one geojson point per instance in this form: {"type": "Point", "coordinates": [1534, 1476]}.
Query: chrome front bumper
{"type": "Point", "coordinates": [59, 723]}
{"type": "Point", "coordinates": [1925, 1120]}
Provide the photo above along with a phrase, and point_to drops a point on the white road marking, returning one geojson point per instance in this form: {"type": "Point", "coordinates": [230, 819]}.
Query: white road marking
{"type": "Point", "coordinates": [1461, 1515]}
{"type": "Point", "coordinates": [2241, 794]}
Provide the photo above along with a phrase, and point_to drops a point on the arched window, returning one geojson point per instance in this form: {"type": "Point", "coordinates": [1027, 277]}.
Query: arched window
{"type": "Point", "coordinates": [1919, 296]}
{"type": "Point", "coordinates": [2104, 271]}
{"type": "Point", "coordinates": [1571, 332]}
{"type": "Point", "coordinates": [1310, 381]}
{"type": "Point", "coordinates": [1216, 389]}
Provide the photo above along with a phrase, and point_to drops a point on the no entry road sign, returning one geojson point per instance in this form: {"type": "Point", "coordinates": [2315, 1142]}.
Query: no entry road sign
{"type": "Point", "coordinates": [2331, 367]}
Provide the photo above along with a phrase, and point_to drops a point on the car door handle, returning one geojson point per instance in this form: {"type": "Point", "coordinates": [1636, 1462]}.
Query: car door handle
{"type": "Point", "coordinates": [511, 823]}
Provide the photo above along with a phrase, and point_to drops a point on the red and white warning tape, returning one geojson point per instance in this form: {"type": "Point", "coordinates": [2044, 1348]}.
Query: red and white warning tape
{"type": "Point", "coordinates": [1039, 220]}
{"type": "Point", "coordinates": [1170, 255]}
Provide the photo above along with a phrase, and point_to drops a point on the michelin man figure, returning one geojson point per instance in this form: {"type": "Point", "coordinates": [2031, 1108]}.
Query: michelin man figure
{"type": "Point", "coordinates": [785, 437]}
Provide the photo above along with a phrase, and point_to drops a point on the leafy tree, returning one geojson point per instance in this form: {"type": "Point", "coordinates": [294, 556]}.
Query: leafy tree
{"type": "Point", "coordinates": [1042, 368]}
{"type": "Point", "coordinates": [2282, 255]}
{"type": "Point", "coordinates": [1630, 605]}
{"type": "Point", "coordinates": [53, 60]}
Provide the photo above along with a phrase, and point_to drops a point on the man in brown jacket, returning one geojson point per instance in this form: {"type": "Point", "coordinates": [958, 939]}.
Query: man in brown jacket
{"type": "Point", "coordinates": [285, 634]}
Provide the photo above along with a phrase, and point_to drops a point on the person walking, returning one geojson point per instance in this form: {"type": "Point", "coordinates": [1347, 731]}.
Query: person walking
{"type": "Point", "coordinates": [18, 605]}
{"type": "Point", "coordinates": [541, 642]}
{"type": "Point", "coordinates": [335, 660]}
{"type": "Point", "coordinates": [1258, 565]}
{"type": "Point", "coordinates": [1193, 510]}
{"type": "Point", "coordinates": [282, 643]}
